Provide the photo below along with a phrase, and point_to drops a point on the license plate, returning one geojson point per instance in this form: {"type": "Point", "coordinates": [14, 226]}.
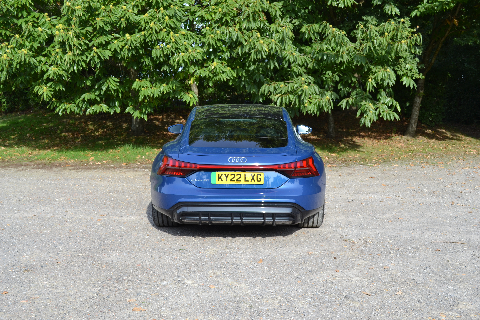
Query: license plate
{"type": "Point", "coordinates": [237, 178]}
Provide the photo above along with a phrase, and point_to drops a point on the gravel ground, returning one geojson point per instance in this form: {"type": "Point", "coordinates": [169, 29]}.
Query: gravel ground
{"type": "Point", "coordinates": [398, 242]}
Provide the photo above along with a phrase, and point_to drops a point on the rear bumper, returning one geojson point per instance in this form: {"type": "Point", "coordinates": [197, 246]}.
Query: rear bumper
{"type": "Point", "coordinates": [250, 213]}
{"type": "Point", "coordinates": [307, 193]}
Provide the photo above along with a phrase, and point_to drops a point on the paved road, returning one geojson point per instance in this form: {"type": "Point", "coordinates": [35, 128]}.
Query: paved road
{"type": "Point", "coordinates": [398, 242]}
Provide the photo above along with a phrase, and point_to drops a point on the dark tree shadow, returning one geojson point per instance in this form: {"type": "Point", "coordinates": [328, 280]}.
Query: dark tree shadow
{"type": "Point", "coordinates": [206, 231]}
{"type": "Point", "coordinates": [349, 131]}
{"type": "Point", "coordinates": [44, 130]}
{"type": "Point", "coordinates": [470, 130]}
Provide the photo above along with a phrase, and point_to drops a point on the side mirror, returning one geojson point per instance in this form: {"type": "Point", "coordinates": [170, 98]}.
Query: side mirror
{"type": "Point", "coordinates": [176, 128]}
{"type": "Point", "coordinates": [303, 129]}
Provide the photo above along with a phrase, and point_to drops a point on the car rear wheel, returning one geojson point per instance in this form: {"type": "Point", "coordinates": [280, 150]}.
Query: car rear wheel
{"type": "Point", "coordinates": [161, 220]}
{"type": "Point", "coordinates": [314, 221]}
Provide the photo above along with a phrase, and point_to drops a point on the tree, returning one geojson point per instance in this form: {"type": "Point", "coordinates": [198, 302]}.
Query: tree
{"type": "Point", "coordinates": [347, 57]}
{"type": "Point", "coordinates": [438, 21]}
{"type": "Point", "coordinates": [17, 88]}
{"type": "Point", "coordinates": [241, 42]}
{"type": "Point", "coordinates": [90, 56]}
{"type": "Point", "coordinates": [93, 56]}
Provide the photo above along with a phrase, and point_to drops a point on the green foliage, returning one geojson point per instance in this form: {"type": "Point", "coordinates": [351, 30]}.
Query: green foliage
{"type": "Point", "coordinates": [350, 66]}
{"type": "Point", "coordinates": [95, 56]}
{"type": "Point", "coordinates": [106, 58]}
{"type": "Point", "coordinates": [123, 57]}
{"type": "Point", "coordinates": [430, 7]}
{"type": "Point", "coordinates": [440, 22]}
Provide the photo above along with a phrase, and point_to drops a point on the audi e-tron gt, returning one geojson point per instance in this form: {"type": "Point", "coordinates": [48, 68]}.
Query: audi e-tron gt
{"type": "Point", "coordinates": [238, 165]}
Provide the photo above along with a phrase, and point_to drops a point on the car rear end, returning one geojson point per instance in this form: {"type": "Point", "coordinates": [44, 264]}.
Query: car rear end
{"type": "Point", "coordinates": [238, 165]}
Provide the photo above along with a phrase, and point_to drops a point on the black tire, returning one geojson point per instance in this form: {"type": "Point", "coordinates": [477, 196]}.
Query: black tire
{"type": "Point", "coordinates": [314, 221]}
{"type": "Point", "coordinates": [161, 220]}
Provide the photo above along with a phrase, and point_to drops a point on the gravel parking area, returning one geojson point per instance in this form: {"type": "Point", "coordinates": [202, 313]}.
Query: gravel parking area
{"type": "Point", "coordinates": [398, 242]}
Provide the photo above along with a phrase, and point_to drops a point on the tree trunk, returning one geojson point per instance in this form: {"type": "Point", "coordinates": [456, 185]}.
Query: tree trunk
{"type": "Point", "coordinates": [195, 90]}
{"type": "Point", "coordinates": [331, 126]}
{"type": "Point", "coordinates": [437, 38]}
{"type": "Point", "coordinates": [138, 126]}
{"type": "Point", "coordinates": [412, 125]}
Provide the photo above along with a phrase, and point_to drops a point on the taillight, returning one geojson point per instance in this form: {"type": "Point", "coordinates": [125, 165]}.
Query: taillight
{"type": "Point", "coordinates": [297, 169]}
{"type": "Point", "coordinates": [172, 167]}
{"type": "Point", "coordinates": [305, 168]}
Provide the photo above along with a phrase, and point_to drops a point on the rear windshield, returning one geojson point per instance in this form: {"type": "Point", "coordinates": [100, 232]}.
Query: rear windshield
{"type": "Point", "coordinates": [238, 127]}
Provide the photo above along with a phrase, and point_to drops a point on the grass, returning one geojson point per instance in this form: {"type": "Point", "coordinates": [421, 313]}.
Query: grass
{"type": "Point", "coordinates": [102, 139]}
{"type": "Point", "coordinates": [45, 137]}
{"type": "Point", "coordinates": [384, 142]}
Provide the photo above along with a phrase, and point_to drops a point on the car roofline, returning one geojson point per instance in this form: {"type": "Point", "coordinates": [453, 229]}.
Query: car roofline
{"type": "Point", "coordinates": [239, 105]}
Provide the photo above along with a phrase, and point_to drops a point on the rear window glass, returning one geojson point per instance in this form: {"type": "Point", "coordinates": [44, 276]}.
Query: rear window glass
{"type": "Point", "coordinates": [238, 127]}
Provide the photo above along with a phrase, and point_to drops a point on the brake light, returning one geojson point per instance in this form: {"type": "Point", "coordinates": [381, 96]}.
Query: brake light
{"type": "Point", "coordinates": [297, 169]}
{"type": "Point", "coordinates": [305, 168]}
{"type": "Point", "coordinates": [172, 167]}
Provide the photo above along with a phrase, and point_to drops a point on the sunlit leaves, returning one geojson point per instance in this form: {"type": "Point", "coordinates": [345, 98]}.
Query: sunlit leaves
{"type": "Point", "coordinates": [391, 9]}
{"type": "Point", "coordinates": [351, 69]}
{"type": "Point", "coordinates": [89, 55]}
{"type": "Point", "coordinates": [434, 6]}
{"type": "Point", "coordinates": [341, 3]}
{"type": "Point", "coordinates": [93, 56]}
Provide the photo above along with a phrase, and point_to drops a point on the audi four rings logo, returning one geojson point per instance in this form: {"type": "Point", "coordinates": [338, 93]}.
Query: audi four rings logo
{"type": "Point", "coordinates": [237, 159]}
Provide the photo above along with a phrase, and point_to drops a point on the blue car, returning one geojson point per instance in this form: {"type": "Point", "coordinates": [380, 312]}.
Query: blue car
{"type": "Point", "coordinates": [238, 165]}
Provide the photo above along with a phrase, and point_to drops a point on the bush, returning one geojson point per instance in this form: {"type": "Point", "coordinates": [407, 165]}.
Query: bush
{"type": "Point", "coordinates": [18, 100]}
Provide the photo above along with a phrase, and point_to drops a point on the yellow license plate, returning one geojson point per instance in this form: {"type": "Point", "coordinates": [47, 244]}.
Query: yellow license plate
{"type": "Point", "coordinates": [237, 178]}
